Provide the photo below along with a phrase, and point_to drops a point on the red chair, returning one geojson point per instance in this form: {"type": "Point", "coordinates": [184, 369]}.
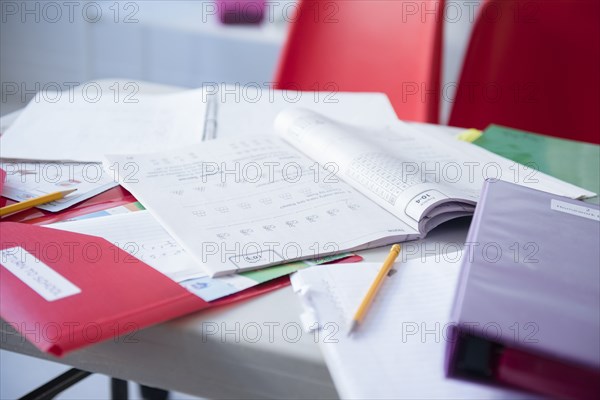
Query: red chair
{"type": "Point", "coordinates": [368, 46]}
{"type": "Point", "coordinates": [533, 65]}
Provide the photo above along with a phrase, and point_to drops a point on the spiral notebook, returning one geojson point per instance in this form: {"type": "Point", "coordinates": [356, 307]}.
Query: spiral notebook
{"type": "Point", "coordinates": [399, 351]}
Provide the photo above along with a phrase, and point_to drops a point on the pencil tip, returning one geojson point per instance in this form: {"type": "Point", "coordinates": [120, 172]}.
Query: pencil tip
{"type": "Point", "coordinates": [352, 327]}
{"type": "Point", "coordinates": [66, 192]}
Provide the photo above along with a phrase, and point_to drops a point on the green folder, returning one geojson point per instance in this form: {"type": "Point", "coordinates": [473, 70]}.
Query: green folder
{"type": "Point", "coordinates": [574, 162]}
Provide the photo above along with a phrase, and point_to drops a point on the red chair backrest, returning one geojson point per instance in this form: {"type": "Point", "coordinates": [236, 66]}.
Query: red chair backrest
{"type": "Point", "coordinates": [533, 65]}
{"type": "Point", "coordinates": [368, 46]}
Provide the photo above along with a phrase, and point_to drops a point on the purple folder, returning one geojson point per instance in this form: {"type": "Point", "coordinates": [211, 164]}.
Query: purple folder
{"type": "Point", "coordinates": [530, 283]}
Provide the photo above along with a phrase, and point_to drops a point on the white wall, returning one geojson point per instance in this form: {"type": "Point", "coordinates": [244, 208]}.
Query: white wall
{"type": "Point", "coordinates": [176, 42]}
{"type": "Point", "coordinates": [46, 43]}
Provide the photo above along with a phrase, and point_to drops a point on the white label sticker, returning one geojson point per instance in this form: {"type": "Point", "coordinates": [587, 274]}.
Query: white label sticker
{"type": "Point", "coordinates": [418, 204]}
{"type": "Point", "coordinates": [38, 276]}
{"type": "Point", "coordinates": [574, 209]}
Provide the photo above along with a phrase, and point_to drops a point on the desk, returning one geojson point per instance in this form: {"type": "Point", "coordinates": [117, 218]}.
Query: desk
{"type": "Point", "coordinates": [253, 349]}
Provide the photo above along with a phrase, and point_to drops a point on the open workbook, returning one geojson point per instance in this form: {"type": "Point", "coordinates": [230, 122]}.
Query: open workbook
{"type": "Point", "coordinates": [318, 187]}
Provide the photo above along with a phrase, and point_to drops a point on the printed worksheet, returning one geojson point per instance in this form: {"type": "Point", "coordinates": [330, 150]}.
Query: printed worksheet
{"type": "Point", "coordinates": [28, 180]}
{"type": "Point", "coordinates": [241, 204]}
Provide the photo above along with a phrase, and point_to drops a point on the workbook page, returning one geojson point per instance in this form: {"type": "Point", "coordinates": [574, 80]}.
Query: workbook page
{"type": "Point", "coordinates": [422, 179]}
{"type": "Point", "coordinates": [241, 204]}
{"type": "Point", "coordinates": [390, 178]}
{"type": "Point", "coordinates": [84, 125]}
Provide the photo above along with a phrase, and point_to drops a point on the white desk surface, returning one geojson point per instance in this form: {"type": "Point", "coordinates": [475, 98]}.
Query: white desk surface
{"type": "Point", "coordinates": [252, 349]}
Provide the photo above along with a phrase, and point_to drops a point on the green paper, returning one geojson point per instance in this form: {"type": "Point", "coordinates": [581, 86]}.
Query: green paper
{"type": "Point", "coordinates": [269, 273]}
{"type": "Point", "coordinates": [266, 274]}
{"type": "Point", "coordinates": [571, 161]}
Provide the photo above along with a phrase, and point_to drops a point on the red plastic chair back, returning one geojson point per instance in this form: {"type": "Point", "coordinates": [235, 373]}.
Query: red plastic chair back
{"type": "Point", "coordinates": [368, 46]}
{"type": "Point", "coordinates": [533, 65]}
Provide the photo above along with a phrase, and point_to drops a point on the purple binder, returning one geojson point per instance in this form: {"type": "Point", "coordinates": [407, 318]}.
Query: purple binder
{"type": "Point", "coordinates": [530, 281]}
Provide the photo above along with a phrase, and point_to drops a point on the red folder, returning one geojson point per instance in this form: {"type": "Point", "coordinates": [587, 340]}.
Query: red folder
{"type": "Point", "coordinates": [118, 293]}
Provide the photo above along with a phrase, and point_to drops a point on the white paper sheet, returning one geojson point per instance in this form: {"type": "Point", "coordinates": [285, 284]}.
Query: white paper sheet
{"type": "Point", "coordinates": [243, 111]}
{"type": "Point", "coordinates": [398, 352]}
{"type": "Point", "coordinates": [82, 126]}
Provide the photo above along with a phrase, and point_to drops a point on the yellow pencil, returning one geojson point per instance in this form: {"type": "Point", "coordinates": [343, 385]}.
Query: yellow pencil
{"type": "Point", "coordinates": [368, 299]}
{"type": "Point", "coordinates": [36, 201]}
